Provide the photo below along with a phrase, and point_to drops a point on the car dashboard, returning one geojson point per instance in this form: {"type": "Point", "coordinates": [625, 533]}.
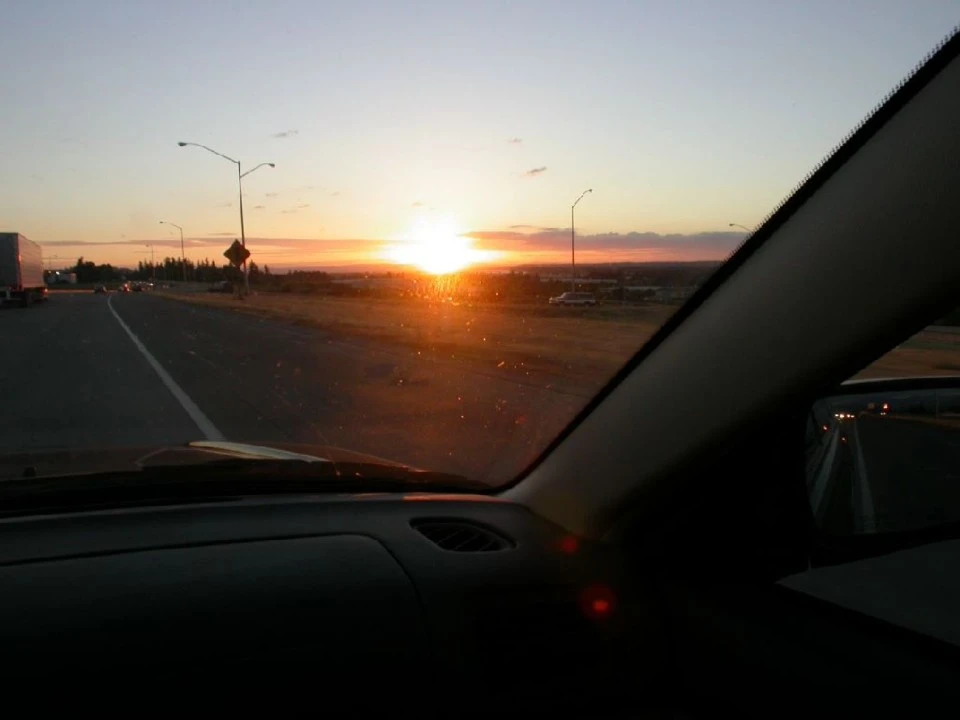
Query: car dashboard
{"type": "Point", "coordinates": [417, 598]}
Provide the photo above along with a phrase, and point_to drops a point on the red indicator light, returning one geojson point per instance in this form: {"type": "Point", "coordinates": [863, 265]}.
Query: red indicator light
{"type": "Point", "coordinates": [569, 545]}
{"type": "Point", "coordinates": [600, 606]}
{"type": "Point", "coordinates": [598, 602]}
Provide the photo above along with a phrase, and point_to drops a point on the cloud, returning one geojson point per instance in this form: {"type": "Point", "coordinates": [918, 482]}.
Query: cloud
{"type": "Point", "coordinates": [515, 140]}
{"type": "Point", "coordinates": [259, 207]}
{"type": "Point", "coordinates": [303, 205]}
{"type": "Point", "coordinates": [417, 204]}
{"type": "Point", "coordinates": [533, 172]}
{"type": "Point", "coordinates": [335, 193]}
{"type": "Point", "coordinates": [222, 234]}
{"type": "Point", "coordinates": [538, 228]}
{"type": "Point", "coordinates": [633, 246]}
{"type": "Point", "coordinates": [285, 134]}
{"type": "Point", "coordinates": [226, 205]}
{"type": "Point", "coordinates": [271, 194]}
{"type": "Point", "coordinates": [291, 211]}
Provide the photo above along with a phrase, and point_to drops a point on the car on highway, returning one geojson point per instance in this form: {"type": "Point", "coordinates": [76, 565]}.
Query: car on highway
{"type": "Point", "coordinates": [123, 287]}
{"type": "Point", "coordinates": [580, 299]}
{"type": "Point", "coordinates": [100, 289]}
{"type": "Point", "coordinates": [877, 408]}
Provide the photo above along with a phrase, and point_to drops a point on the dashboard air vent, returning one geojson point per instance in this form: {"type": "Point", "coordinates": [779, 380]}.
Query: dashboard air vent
{"type": "Point", "coordinates": [460, 536]}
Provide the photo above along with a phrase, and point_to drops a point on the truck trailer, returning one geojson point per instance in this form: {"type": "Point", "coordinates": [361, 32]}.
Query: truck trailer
{"type": "Point", "coordinates": [21, 270]}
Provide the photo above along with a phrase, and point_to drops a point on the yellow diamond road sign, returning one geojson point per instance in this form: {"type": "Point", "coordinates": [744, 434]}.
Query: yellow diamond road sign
{"type": "Point", "coordinates": [236, 253]}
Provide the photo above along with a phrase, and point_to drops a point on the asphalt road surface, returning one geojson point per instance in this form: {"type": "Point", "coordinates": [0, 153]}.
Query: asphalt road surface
{"type": "Point", "coordinates": [118, 370]}
{"type": "Point", "coordinates": [887, 473]}
{"type": "Point", "coordinates": [914, 471]}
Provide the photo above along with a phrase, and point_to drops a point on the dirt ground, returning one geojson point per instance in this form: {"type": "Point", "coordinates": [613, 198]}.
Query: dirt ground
{"type": "Point", "coordinates": [931, 352]}
{"type": "Point", "coordinates": [581, 345]}
{"type": "Point", "coordinates": [576, 343]}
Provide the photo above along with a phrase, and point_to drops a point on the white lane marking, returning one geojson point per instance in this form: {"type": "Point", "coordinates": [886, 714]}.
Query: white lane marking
{"type": "Point", "coordinates": [195, 413]}
{"type": "Point", "coordinates": [866, 517]}
{"type": "Point", "coordinates": [825, 472]}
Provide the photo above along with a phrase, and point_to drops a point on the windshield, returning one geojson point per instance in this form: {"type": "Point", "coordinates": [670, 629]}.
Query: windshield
{"type": "Point", "coordinates": [422, 234]}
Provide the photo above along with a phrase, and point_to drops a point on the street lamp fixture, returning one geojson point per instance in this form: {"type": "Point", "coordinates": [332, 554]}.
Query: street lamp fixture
{"type": "Point", "coordinates": [742, 227]}
{"type": "Point", "coordinates": [183, 256]}
{"type": "Point", "coordinates": [573, 255]}
{"type": "Point", "coordinates": [240, 176]}
{"type": "Point", "coordinates": [258, 166]}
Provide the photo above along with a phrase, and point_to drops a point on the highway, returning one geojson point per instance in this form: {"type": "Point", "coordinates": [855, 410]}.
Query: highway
{"type": "Point", "coordinates": [887, 473]}
{"type": "Point", "coordinates": [137, 370]}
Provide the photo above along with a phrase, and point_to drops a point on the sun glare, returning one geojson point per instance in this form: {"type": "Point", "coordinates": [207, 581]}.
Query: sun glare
{"type": "Point", "coordinates": [437, 248]}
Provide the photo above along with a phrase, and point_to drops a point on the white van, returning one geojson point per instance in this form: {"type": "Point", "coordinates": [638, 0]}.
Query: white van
{"type": "Point", "coordinates": [574, 298]}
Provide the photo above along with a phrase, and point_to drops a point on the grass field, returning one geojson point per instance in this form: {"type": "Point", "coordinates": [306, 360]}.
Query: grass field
{"type": "Point", "coordinates": [584, 346]}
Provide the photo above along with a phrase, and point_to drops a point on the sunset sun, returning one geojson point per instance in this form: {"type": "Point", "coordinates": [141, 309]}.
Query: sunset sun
{"type": "Point", "coordinates": [437, 248]}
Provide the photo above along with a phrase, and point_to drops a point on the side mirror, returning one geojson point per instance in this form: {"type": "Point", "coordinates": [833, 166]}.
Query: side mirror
{"type": "Point", "coordinates": [883, 463]}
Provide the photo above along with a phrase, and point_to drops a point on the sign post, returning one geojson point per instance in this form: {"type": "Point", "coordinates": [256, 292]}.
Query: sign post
{"type": "Point", "coordinates": [237, 254]}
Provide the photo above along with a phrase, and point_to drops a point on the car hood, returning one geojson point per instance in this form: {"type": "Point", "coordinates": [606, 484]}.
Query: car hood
{"type": "Point", "coordinates": [72, 462]}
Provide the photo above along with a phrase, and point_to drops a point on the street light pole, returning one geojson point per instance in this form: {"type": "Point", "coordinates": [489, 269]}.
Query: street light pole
{"type": "Point", "coordinates": [240, 176]}
{"type": "Point", "coordinates": [243, 233]}
{"type": "Point", "coordinates": [243, 237]}
{"type": "Point", "coordinates": [153, 265]}
{"type": "Point", "coordinates": [573, 256]}
{"type": "Point", "coordinates": [742, 227]}
{"type": "Point", "coordinates": [183, 256]}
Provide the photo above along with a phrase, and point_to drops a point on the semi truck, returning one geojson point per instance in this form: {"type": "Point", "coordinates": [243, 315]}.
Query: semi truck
{"type": "Point", "coordinates": [21, 270]}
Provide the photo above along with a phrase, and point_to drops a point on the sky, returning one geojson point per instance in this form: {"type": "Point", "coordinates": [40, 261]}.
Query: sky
{"type": "Point", "coordinates": [486, 119]}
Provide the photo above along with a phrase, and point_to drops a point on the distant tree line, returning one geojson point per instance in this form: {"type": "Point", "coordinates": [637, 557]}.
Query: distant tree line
{"type": "Point", "coordinates": [169, 269]}
{"type": "Point", "coordinates": [172, 269]}
{"type": "Point", "coordinates": [88, 272]}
